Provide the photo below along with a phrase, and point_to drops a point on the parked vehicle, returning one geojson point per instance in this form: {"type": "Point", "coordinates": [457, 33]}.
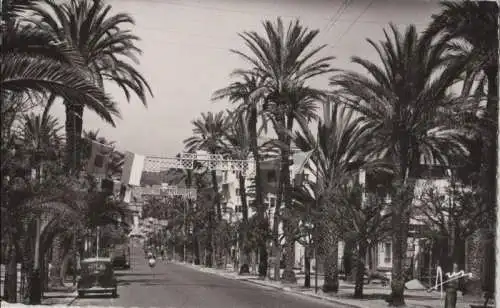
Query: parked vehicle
{"type": "Point", "coordinates": [120, 256]}
{"type": "Point", "coordinates": [97, 276]}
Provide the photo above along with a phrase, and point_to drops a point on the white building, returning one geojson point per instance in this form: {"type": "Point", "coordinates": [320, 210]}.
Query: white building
{"type": "Point", "coordinates": [231, 199]}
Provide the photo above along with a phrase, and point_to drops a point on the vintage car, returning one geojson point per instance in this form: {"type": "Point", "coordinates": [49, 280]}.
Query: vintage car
{"type": "Point", "coordinates": [97, 276]}
{"type": "Point", "coordinates": [120, 256]}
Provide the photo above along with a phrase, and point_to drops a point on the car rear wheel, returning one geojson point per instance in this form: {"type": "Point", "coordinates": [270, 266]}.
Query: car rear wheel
{"type": "Point", "coordinates": [81, 293]}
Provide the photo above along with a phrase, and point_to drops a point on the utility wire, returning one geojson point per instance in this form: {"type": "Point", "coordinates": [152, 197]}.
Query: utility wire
{"type": "Point", "coordinates": [211, 8]}
{"type": "Point", "coordinates": [340, 11]}
{"type": "Point", "coordinates": [252, 13]}
{"type": "Point", "coordinates": [353, 23]}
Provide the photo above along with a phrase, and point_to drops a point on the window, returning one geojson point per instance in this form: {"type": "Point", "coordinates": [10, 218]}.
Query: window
{"type": "Point", "coordinates": [237, 191]}
{"type": "Point", "coordinates": [387, 252]}
{"type": "Point", "coordinates": [237, 209]}
{"type": "Point", "coordinates": [272, 201]}
{"type": "Point", "coordinates": [99, 161]}
{"type": "Point", "coordinates": [271, 176]}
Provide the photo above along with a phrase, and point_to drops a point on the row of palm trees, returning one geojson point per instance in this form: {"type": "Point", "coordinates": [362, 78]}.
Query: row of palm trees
{"type": "Point", "coordinates": [58, 53]}
{"type": "Point", "coordinates": [397, 115]}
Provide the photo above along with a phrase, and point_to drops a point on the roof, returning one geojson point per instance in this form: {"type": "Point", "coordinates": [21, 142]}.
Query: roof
{"type": "Point", "coordinates": [91, 260]}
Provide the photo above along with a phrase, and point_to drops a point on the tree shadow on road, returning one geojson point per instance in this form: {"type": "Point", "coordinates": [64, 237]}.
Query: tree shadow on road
{"type": "Point", "coordinates": [132, 274]}
{"type": "Point", "coordinates": [106, 296]}
{"type": "Point", "coordinates": [172, 283]}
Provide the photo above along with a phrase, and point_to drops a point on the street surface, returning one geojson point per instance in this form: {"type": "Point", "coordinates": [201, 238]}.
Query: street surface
{"type": "Point", "coordinates": [176, 286]}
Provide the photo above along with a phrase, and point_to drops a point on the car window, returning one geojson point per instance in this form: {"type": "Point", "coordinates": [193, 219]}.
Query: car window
{"type": "Point", "coordinates": [95, 267]}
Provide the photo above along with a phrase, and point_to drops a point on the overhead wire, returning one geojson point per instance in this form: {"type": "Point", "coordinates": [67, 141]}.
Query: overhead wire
{"type": "Point", "coordinates": [353, 23]}
{"type": "Point", "coordinates": [344, 6]}
{"type": "Point", "coordinates": [340, 11]}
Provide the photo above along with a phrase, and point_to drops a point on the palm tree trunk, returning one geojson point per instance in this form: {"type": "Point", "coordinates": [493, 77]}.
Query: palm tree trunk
{"type": "Point", "coordinates": [10, 282]}
{"type": "Point", "coordinates": [289, 221]}
{"type": "Point", "coordinates": [307, 266]}
{"type": "Point", "coordinates": [477, 265]}
{"type": "Point", "coordinates": [262, 223]}
{"type": "Point", "coordinates": [27, 252]}
{"type": "Point", "coordinates": [218, 219]}
{"type": "Point", "coordinates": [276, 218]}
{"type": "Point", "coordinates": [360, 270]}
{"type": "Point", "coordinates": [209, 245]}
{"type": "Point", "coordinates": [347, 259]}
{"type": "Point", "coordinates": [196, 243]}
{"type": "Point", "coordinates": [276, 240]}
{"type": "Point", "coordinates": [329, 244]}
{"type": "Point", "coordinates": [73, 127]}
{"type": "Point", "coordinates": [476, 248]}
{"type": "Point", "coordinates": [57, 259]}
{"type": "Point", "coordinates": [400, 224]}
{"type": "Point", "coordinates": [244, 268]}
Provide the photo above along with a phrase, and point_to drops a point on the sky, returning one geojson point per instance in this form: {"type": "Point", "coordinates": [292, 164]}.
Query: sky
{"type": "Point", "coordinates": [186, 55]}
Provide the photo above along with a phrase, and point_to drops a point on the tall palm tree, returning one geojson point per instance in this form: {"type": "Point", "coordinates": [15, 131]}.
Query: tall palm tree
{"type": "Point", "coordinates": [208, 134]}
{"type": "Point", "coordinates": [195, 178]}
{"type": "Point", "coordinates": [105, 48]}
{"type": "Point", "coordinates": [401, 100]}
{"type": "Point", "coordinates": [470, 25]}
{"type": "Point", "coordinates": [338, 153]}
{"type": "Point", "coordinates": [33, 63]}
{"type": "Point", "coordinates": [239, 148]}
{"type": "Point", "coordinates": [248, 93]}
{"type": "Point", "coordinates": [281, 59]}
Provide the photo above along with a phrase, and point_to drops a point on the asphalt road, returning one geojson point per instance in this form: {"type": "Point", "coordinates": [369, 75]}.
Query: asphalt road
{"type": "Point", "coordinates": [176, 286]}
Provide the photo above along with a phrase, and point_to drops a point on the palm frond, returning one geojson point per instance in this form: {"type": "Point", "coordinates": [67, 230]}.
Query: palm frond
{"type": "Point", "coordinates": [20, 73]}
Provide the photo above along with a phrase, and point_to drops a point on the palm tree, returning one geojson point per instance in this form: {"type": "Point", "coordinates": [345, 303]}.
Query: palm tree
{"type": "Point", "coordinates": [281, 60]}
{"type": "Point", "coordinates": [364, 220]}
{"type": "Point", "coordinates": [248, 93]}
{"type": "Point", "coordinates": [338, 153]}
{"type": "Point", "coordinates": [104, 47]}
{"type": "Point", "coordinates": [305, 207]}
{"type": "Point", "coordinates": [468, 25]}
{"type": "Point", "coordinates": [32, 63]}
{"type": "Point", "coordinates": [239, 148]}
{"type": "Point", "coordinates": [41, 132]}
{"type": "Point", "coordinates": [208, 133]}
{"type": "Point", "coordinates": [195, 178]}
{"type": "Point", "coordinates": [38, 140]}
{"type": "Point", "coordinates": [401, 101]}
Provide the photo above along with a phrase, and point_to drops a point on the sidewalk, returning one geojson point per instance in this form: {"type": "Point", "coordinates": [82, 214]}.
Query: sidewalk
{"type": "Point", "coordinates": [374, 295]}
{"type": "Point", "coordinates": [62, 297]}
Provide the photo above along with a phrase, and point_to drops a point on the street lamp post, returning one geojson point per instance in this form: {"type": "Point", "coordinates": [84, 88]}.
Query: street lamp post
{"type": "Point", "coordinates": [185, 233]}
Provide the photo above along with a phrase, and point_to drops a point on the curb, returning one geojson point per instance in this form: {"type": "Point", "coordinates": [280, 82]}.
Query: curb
{"type": "Point", "coordinates": [315, 296]}
{"type": "Point", "coordinates": [280, 288]}
{"type": "Point", "coordinates": [66, 301]}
